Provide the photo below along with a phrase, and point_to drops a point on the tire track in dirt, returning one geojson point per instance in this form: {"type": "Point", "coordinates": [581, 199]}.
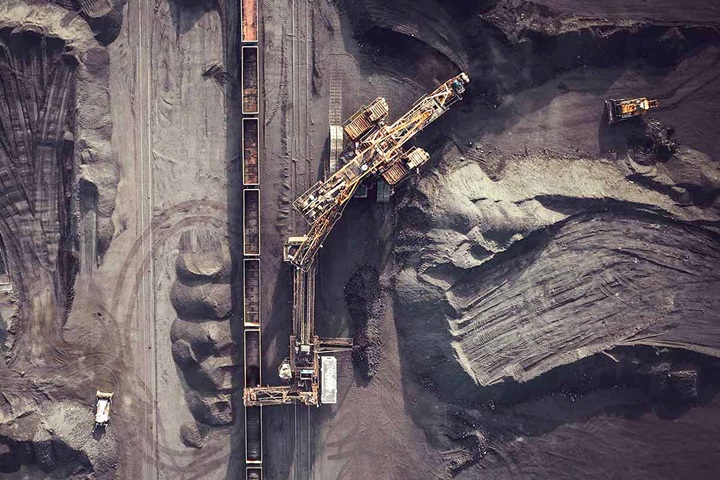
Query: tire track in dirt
{"type": "Point", "coordinates": [160, 222]}
{"type": "Point", "coordinates": [165, 226]}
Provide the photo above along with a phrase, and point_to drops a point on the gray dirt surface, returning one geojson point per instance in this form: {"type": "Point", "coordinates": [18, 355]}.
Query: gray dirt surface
{"type": "Point", "coordinates": [543, 302]}
{"type": "Point", "coordinates": [593, 284]}
{"type": "Point", "coordinates": [149, 159]}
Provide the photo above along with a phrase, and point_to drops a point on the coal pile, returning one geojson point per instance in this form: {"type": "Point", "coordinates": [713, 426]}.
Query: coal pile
{"type": "Point", "coordinates": [364, 300]}
{"type": "Point", "coordinates": [254, 432]}
{"type": "Point", "coordinates": [58, 440]}
{"type": "Point", "coordinates": [655, 145]}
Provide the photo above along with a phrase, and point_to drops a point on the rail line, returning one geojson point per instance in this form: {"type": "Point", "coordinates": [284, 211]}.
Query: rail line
{"type": "Point", "coordinates": [252, 108]}
{"type": "Point", "coordinates": [302, 167]}
{"type": "Point", "coordinates": [145, 311]}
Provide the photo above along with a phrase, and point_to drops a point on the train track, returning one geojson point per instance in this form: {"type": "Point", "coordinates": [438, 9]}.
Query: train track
{"type": "Point", "coordinates": [302, 180]}
{"type": "Point", "coordinates": [302, 465]}
{"type": "Point", "coordinates": [300, 144]}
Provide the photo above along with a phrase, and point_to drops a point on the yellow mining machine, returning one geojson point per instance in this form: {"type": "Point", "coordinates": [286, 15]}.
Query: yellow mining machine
{"type": "Point", "coordinates": [373, 149]}
{"type": "Point", "coordinates": [623, 109]}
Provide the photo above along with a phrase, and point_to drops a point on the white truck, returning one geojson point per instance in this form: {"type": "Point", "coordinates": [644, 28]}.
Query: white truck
{"type": "Point", "coordinates": [102, 408]}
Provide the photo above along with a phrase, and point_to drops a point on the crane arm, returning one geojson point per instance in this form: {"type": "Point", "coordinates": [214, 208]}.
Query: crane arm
{"type": "Point", "coordinates": [378, 151]}
{"type": "Point", "coordinates": [304, 256]}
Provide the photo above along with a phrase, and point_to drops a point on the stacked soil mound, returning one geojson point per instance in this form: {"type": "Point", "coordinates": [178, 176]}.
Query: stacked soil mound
{"type": "Point", "coordinates": [202, 345]}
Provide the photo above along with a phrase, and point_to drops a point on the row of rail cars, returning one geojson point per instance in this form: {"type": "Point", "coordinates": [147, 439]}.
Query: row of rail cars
{"type": "Point", "coordinates": [250, 153]}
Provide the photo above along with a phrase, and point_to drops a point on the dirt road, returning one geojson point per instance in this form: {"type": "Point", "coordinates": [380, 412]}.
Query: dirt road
{"type": "Point", "coordinates": [177, 183]}
{"type": "Point", "coordinates": [145, 313]}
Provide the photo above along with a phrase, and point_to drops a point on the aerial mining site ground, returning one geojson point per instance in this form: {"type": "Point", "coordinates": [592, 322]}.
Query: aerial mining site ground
{"type": "Point", "coordinates": [541, 301]}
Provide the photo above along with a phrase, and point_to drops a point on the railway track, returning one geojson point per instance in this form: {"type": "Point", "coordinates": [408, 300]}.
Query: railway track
{"type": "Point", "coordinates": [299, 141]}
{"type": "Point", "coordinates": [302, 180]}
{"type": "Point", "coordinates": [302, 464]}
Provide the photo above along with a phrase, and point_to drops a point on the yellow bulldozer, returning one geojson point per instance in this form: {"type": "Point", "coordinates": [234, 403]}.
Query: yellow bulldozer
{"type": "Point", "coordinates": [625, 108]}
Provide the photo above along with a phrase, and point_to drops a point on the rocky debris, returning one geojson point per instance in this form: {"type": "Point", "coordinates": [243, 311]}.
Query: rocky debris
{"type": "Point", "coordinates": [458, 459]}
{"type": "Point", "coordinates": [193, 434]}
{"type": "Point", "coordinates": [210, 409]}
{"type": "Point", "coordinates": [469, 452]}
{"type": "Point", "coordinates": [683, 385]}
{"type": "Point", "coordinates": [518, 18]}
{"type": "Point", "coordinates": [522, 20]}
{"type": "Point", "coordinates": [360, 292]}
{"type": "Point", "coordinates": [467, 442]}
{"type": "Point", "coordinates": [367, 353]}
{"type": "Point", "coordinates": [59, 440]}
{"type": "Point", "coordinates": [655, 145]}
{"type": "Point", "coordinates": [202, 344]}
{"type": "Point", "coordinates": [44, 454]}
